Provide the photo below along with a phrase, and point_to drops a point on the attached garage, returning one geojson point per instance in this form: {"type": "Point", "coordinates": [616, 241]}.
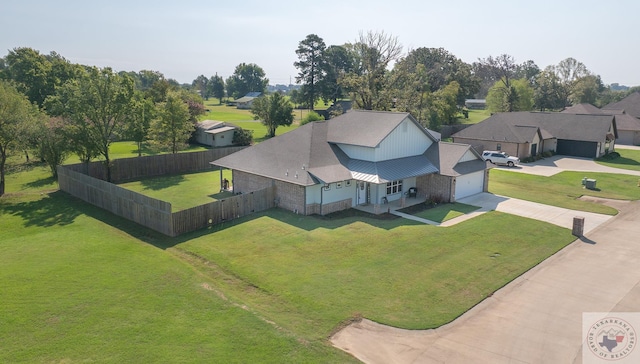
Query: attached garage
{"type": "Point", "coordinates": [577, 148]}
{"type": "Point", "coordinates": [469, 184]}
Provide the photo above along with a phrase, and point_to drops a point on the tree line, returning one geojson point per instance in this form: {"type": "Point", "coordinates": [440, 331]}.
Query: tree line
{"type": "Point", "coordinates": [432, 83]}
{"type": "Point", "coordinates": [53, 108]}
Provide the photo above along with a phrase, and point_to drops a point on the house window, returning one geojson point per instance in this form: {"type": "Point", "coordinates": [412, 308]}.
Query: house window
{"type": "Point", "coordinates": [327, 187]}
{"type": "Point", "coordinates": [499, 147]}
{"type": "Point", "coordinates": [338, 184]}
{"type": "Point", "coordinates": [221, 136]}
{"type": "Point", "coordinates": [394, 187]}
{"type": "Point", "coordinates": [347, 183]}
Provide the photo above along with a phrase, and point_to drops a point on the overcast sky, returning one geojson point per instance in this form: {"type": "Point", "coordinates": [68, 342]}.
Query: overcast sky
{"type": "Point", "coordinates": [183, 39]}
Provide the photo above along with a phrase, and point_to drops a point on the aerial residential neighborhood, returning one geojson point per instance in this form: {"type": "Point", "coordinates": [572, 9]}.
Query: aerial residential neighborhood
{"type": "Point", "coordinates": [243, 183]}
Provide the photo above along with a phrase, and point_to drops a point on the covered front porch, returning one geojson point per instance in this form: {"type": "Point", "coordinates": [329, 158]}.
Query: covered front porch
{"type": "Point", "coordinates": [390, 206]}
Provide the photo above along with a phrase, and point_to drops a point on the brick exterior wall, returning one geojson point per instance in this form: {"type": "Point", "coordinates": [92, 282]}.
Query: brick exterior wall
{"type": "Point", "coordinates": [435, 185]}
{"type": "Point", "coordinates": [290, 197]}
{"type": "Point", "coordinates": [336, 206]}
{"type": "Point", "coordinates": [247, 182]}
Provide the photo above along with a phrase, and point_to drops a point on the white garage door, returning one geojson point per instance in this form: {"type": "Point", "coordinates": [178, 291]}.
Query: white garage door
{"type": "Point", "coordinates": [469, 184]}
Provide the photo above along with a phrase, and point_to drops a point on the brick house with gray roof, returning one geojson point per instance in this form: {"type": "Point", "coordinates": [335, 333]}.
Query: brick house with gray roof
{"type": "Point", "coordinates": [358, 158]}
{"type": "Point", "coordinates": [525, 134]}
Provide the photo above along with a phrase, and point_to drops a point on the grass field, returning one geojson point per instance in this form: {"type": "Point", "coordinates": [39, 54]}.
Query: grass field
{"type": "Point", "coordinates": [475, 116]}
{"type": "Point", "coordinates": [564, 189]}
{"type": "Point", "coordinates": [629, 159]}
{"type": "Point", "coordinates": [440, 213]}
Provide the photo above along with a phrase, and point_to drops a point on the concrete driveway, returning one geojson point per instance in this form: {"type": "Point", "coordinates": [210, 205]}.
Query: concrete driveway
{"type": "Point", "coordinates": [558, 163]}
{"type": "Point", "coordinates": [533, 210]}
{"type": "Point", "coordinates": [536, 318]}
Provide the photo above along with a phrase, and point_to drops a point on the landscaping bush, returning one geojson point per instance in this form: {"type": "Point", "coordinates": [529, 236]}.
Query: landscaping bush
{"type": "Point", "coordinates": [311, 116]}
{"type": "Point", "coordinates": [243, 137]}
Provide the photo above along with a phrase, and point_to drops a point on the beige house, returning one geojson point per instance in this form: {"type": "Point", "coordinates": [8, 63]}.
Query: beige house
{"type": "Point", "coordinates": [526, 134]}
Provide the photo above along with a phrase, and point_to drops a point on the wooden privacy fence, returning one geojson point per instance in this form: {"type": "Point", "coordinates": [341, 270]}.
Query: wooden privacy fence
{"type": "Point", "coordinates": [86, 183]}
{"type": "Point", "coordinates": [146, 211]}
{"type": "Point", "coordinates": [217, 212]}
{"type": "Point", "coordinates": [128, 169]}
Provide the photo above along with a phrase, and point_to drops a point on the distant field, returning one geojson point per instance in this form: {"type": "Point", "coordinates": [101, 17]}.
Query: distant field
{"type": "Point", "coordinates": [475, 116]}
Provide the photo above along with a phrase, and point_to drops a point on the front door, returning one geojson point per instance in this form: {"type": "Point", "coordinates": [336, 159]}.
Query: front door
{"type": "Point", "coordinates": [534, 150]}
{"type": "Point", "coordinates": [363, 189]}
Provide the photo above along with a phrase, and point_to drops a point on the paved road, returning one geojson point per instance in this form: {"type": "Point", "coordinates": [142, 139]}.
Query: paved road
{"type": "Point", "coordinates": [534, 319]}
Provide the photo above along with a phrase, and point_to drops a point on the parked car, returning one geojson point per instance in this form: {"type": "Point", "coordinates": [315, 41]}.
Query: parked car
{"type": "Point", "coordinates": [496, 157]}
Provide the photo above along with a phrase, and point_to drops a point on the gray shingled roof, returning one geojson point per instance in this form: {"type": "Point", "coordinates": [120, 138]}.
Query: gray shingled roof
{"type": "Point", "coordinates": [630, 104]}
{"type": "Point", "coordinates": [305, 156]}
{"type": "Point", "coordinates": [365, 128]}
{"type": "Point", "coordinates": [582, 109]}
{"type": "Point", "coordinates": [446, 157]}
{"type": "Point", "coordinates": [508, 127]}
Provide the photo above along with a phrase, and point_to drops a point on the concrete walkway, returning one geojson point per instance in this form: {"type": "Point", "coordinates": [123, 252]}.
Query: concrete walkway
{"type": "Point", "coordinates": [536, 318]}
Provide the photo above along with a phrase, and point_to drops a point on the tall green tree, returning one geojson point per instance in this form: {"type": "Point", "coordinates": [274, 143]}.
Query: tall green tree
{"type": "Point", "coordinates": [369, 85]}
{"type": "Point", "coordinates": [273, 111]}
{"type": "Point", "coordinates": [31, 72]}
{"type": "Point", "coordinates": [139, 119]}
{"type": "Point", "coordinates": [548, 92]}
{"type": "Point", "coordinates": [311, 65]}
{"type": "Point", "coordinates": [52, 142]}
{"type": "Point", "coordinates": [520, 97]}
{"type": "Point", "coordinates": [98, 105]}
{"type": "Point", "coordinates": [201, 84]}
{"type": "Point", "coordinates": [16, 116]}
{"type": "Point", "coordinates": [246, 78]}
{"type": "Point", "coordinates": [441, 69]}
{"type": "Point", "coordinates": [216, 84]}
{"type": "Point", "coordinates": [172, 127]}
{"type": "Point", "coordinates": [339, 61]}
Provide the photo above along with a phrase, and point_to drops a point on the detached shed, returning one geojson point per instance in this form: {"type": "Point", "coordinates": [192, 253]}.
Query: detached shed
{"type": "Point", "coordinates": [214, 133]}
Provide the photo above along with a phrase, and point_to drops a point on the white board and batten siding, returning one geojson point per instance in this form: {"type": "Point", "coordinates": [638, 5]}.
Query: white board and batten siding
{"type": "Point", "coordinates": [406, 140]}
{"type": "Point", "coordinates": [337, 191]}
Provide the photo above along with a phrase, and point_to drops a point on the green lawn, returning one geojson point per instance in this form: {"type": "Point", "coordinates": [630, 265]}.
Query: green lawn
{"type": "Point", "coordinates": [440, 213]}
{"type": "Point", "coordinates": [81, 285]}
{"type": "Point", "coordinates": [183, 191]}
{"type": "Point", "coordinates": [311, 274]}
{"type": "Point", "coordinates": [629, 159]}
{"type": "Point", "coordinates": [564, 189]}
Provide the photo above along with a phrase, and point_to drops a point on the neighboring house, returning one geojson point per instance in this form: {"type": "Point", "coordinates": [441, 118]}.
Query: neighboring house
{"type": "Point", "coordinates": [526, 134]}
{"type": "Point", "coordinates": [628, 126]}
{"type": "Point", "coordinates": [358, 158]}
{"type": "Point", "coordinates": [214, 133]}
{"type": "Point", "coordinates": [475, 104]}
{"type": "Point", "coordinates": [630, 105]}
{"type": "Point", "coordinates": [246, 102]}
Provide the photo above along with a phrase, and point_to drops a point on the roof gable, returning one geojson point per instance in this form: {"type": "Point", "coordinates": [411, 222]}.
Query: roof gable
{"type": "Point", "coordinates": [367, 128]}
{"type": "Point", "coordinates": [453, 159]}
{"type": "Point", "coordinates": [630, 104]}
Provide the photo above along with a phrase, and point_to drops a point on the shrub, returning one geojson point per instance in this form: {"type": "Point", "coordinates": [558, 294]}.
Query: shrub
{"type": "Point", "coordinates": [243, 137]}
{"type": "Point", "coordinates": [311, 116]}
